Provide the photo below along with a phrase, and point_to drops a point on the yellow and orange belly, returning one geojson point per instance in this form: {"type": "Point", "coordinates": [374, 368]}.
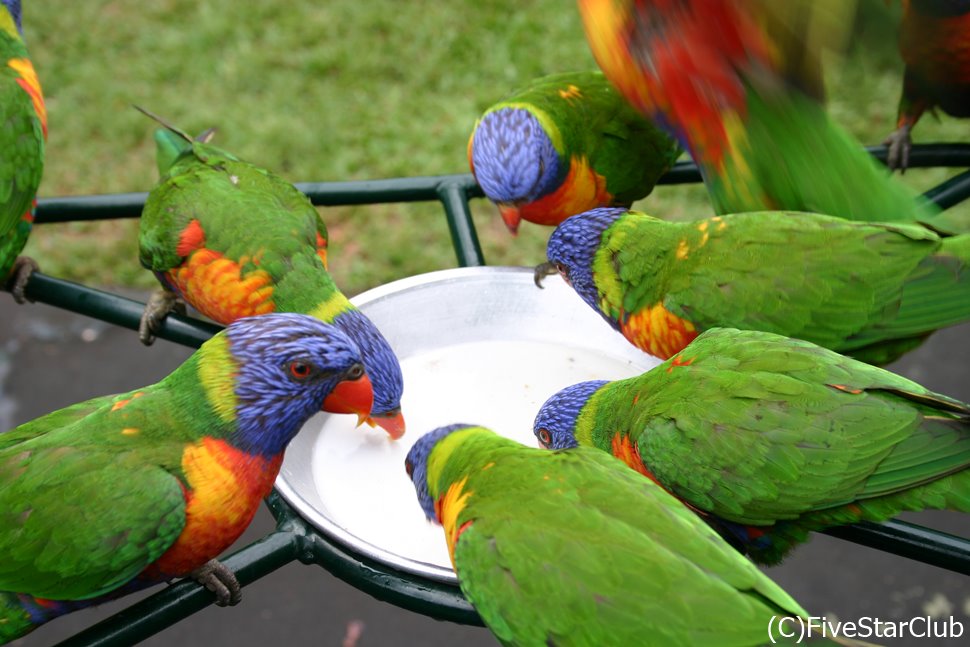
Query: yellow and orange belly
{"type": "Point", "coordinates": [226, 487]}
{"type": "Point", "coordinates": [657, 331]}
{"type": "Point", "coordinates": [217, 287]}
{"type": "Point", "coordinates": [447, 509]}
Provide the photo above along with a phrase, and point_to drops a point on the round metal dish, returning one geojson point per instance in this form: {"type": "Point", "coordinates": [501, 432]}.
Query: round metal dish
{"type": "Point", "coordinates": [478, 345]}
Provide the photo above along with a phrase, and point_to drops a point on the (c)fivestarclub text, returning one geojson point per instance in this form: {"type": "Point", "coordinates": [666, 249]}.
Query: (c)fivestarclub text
{"type": "Point", "coordinates": [788, 627]}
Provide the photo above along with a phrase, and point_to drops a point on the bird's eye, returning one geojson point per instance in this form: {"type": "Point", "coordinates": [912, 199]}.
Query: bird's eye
{"type": "Point", "coordinates": [409, 468]}
{"type": "Point", "coordinates": [545, 438]}
{"type": "Point", "coordinates": [355, 372]}
{"type": "Point", "coordinates": [300, 370]}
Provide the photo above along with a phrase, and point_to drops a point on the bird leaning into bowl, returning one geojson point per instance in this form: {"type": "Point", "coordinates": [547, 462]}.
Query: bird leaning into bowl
{"type": "Point", "coordinates": [235, 240]}
{"type": "Point", "coordinates": [563, 144]}
{"type": "Point", "coordinates": [869, 290]}
{"type": "Point", "coordinates": [121, 492]}
{"type": "Point", "coordinates": [22, 139]}
{"type": "Point", "coordinates": [738, 84]}
{"type": "Point", "coordinates": [572, 548]}
{"type": "Point", "coordinates": [775, 437]}
{"type": "Point", "coordinates": [934, 41]}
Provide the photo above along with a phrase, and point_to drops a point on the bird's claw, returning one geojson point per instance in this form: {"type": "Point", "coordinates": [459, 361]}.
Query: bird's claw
{"type": "Point", "coordinates": [216, 577]}
{"type": "Point", "coordinates": [160, 304]}
{"type": "Point", "coordinates": [23, 267]}
{"type": "Point", "coordinates": [541, 271]}
{"type": "Point", "coordinates": [900, 144]}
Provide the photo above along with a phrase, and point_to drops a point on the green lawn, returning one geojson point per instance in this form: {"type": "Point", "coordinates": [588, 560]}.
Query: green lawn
{"type": "Point", "coordinates": [335, 90]}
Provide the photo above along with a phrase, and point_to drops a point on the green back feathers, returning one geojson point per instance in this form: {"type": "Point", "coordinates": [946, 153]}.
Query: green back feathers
{"type": "Point", "coordinates": [584, 115]}
{"type": "Point", "coordinates": [868, 289]}
{"type": "Point", "coordinates": [200, 390]}
{"type": "Point", "coordinates": [111, 452]}
{"type": "Point", "coordinates": [527, 562]}
{"type": "Point", "coordinates": [756, 428]}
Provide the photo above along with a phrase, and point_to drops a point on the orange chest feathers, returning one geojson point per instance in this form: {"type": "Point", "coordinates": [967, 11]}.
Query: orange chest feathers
{"type": "Point", "coordinates": [657, 331]}
{"type": "Point", "coordinates": [218, 286]}
{"type": "Point", "coordinates": [583, 189]}
{"type": "Point", "coordinates": [225, 487]}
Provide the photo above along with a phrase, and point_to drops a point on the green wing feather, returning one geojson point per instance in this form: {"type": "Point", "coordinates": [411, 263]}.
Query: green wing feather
{"type": "Point", "coordinates": [528, 565]}
{"type": "Point", "coordinates": [759, 428]}
{"type": "Point", "coordinates": [840, 284]}
{"type": "Point", "coordinates": [84, 507]}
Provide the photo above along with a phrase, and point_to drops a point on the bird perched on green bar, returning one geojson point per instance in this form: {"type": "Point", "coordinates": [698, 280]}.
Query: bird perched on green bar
{"type": "Point", "coordinates": [236, 240]}
{"type": "Point", "coordinates": [736, 83]}
{"type": "Point", "coordinates": [22, 139]}
{"type": "Point", "coordinates": [571, 548]}
{"type": "Point", "coordinates": [774, 437]}
{"type": "Point", "coordinates": [564, 144]}
{"type": "Point", "coordinates": [121, 492]}
{"type": "Point", "coordinates": [869, 290]}
{"type": "Point", "coordinates": [934, 40]}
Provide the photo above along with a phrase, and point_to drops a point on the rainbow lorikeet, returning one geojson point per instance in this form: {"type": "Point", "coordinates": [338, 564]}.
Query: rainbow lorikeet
{"type": "Point", "coordinates": [934, 41]}
{"type": "Point", "coordinates": [869, 290]}
{"type": "Point", "coordinates": [121, 492]}
{"type": "Point", "coordinates": [774, 436]}
{"type": "Point", "coordinates": [22, 138]}
{"type": "Point", "coordinates": [235, 240]}
{"type": "Point", "coordinates": [723, 77]}
{"type": "Point", "coordinates": [564, 144]}
{"type": "Point", "coordinates": [571, 548]}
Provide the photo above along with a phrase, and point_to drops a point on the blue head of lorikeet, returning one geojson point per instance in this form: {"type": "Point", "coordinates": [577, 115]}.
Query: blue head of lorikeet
{"type": "Point", "coordinates": [306, 350]}
{"type": "Point", "coordinates": [514, 160]}
{"type": "Point", "coordinates": [13, 6]}
{"type": "Point", "coordinates": [416, 465]}
{"type": "Point", "coordinates": [573, 244]}
{"type": "Point", "coordinates": [556, 421]}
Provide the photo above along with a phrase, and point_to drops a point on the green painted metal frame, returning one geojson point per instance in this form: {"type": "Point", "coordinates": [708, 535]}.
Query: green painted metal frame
{"type": "Point", "coordinates": [294, 539]}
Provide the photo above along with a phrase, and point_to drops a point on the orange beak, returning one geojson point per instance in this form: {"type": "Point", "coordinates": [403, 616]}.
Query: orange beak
{"type": "Point", "coordinates": [511, 216]}
{"type": "Point", "coordinates": [391, 422]}
{"type": "Point", "coordinates": [351, 396]}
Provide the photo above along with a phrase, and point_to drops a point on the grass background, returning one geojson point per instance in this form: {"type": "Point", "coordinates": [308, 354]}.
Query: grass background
{"type": "Point", "coordinates": [341, 90]}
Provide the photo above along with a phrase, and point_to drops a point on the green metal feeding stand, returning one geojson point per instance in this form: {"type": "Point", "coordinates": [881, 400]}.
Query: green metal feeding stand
{"type": "Point", "coordinates": [294, 538]}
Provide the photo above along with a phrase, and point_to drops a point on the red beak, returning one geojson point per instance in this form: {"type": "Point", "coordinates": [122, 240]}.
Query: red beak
{"type": "Point", "coordinates": [392, 423]}
{"type": "Point", "coordinates": [511, 216]}
{"type": "Point", "coordinates": [351, 396]}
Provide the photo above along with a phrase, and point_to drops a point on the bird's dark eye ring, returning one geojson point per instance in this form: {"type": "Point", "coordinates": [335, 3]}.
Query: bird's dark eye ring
{"type": "Point", "coordinates": [300, 370]}
{"type": "Point", "coordinates": [545, 438]}
{"type": "Point", "coordinates": [355, 372]}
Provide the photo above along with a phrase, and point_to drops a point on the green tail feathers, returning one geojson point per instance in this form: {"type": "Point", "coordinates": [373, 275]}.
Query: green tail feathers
{"type": "Point", "coordinates": [934, 296]}
{"type": "Point", "coordinates": [169, 147]}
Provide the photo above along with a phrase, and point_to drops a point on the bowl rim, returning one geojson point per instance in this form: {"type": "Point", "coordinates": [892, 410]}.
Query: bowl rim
{"type": "Point", "coordinates": [330, 531]}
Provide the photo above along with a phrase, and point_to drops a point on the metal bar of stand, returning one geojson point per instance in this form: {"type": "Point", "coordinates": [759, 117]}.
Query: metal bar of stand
{"type": "Point", "coordinates": [177, 602]}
